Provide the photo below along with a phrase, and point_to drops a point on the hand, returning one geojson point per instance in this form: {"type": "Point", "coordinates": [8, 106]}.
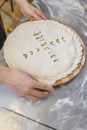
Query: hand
{"type": "Point", "coordinates": [30, 11]}
{"type": "Point", "coordinates": [24, 85]}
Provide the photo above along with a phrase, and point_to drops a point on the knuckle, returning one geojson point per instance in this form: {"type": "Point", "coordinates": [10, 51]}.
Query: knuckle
{"type": "Point", "coordinates": [44, 87]}
{"type": "Point", "coordinates": [21, 94]}
{"type": "Point", "coordinates": [32, 85]}
{"type": "Point", "coordinates": [45, 94]}
{"type": "Point", "coordinates": [36, 99]}
{"type": "Point", "coordinates": [40, 95]}
{"type": "Point", "coordinates": [24, 91]}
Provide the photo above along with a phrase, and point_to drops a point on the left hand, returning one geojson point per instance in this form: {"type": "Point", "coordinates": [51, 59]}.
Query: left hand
{"type": "Point", "coordinates": [30, 11]}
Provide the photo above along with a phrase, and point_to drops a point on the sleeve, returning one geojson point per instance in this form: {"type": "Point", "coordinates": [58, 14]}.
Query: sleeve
{"type": "Point", "coordinates": [2, 60]}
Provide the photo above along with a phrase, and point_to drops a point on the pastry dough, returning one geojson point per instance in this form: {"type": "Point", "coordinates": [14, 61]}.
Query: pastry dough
{"type": "Point", "coordinates": [46, 49]}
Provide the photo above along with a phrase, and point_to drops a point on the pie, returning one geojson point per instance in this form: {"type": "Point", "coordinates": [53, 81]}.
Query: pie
{"type": "Point", "coordinates": [51, 52]}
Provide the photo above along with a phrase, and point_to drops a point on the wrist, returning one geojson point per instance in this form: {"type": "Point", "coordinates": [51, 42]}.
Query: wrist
{"type": "Point", "coordinates": [3, 73]}
{"type": "Point", "coordinates": [21, 3]}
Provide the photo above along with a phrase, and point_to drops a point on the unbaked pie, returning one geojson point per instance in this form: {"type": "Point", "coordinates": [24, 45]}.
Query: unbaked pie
{"type": "Point", "coordinates": [50, 51]}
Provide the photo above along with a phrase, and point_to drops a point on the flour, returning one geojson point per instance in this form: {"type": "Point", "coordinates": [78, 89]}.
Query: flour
{"type": "Point", "coordinates": [8, 122]}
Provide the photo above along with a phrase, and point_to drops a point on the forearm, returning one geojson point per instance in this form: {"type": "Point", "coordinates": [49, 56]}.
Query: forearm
{"type": "Point", "coordinates": [21, 3]}
{"type": "Point", "coordinates": [3, 73]}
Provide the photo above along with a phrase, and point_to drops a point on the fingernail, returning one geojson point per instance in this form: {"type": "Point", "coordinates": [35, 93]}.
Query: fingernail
{"type": "Point", "coordinates": [46, 93]}
{"type": "Point", "coordinates": [51, 89]}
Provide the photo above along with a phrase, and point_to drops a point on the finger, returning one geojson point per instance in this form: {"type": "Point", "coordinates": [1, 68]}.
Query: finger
{"type": "Point", "coordinates": [36, 16]}
{"type": "Point", "coordinates": [32, 98]}
{"type": "Point", "coordinates": [32, 19]}
{"type": "Point", "coordinates": [38, 93]}
{"type": "Point", "coordinates": [41, 15]}
{"type": "Point", "coordinates": [39, 85]}
{"type": "Point", "coordinates": [32, 77]}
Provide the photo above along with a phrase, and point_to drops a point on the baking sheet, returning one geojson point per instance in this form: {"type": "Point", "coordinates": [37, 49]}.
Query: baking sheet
{"type": "Point", "coordinates": [66, 107]}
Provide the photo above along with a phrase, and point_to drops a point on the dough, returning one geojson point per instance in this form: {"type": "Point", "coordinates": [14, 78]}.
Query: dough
{"type": "Point", "coordinates": [46, 49]}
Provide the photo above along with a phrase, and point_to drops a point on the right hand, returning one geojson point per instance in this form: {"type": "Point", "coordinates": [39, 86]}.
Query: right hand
{"type": "Point", "coordinates": [24, 85]}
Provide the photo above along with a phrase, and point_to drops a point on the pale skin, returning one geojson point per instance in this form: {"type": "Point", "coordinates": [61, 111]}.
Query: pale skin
{"type": "Point", "coordinates": [30, 11]}
{"type": "Point", "coordinates": [23, 84]}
